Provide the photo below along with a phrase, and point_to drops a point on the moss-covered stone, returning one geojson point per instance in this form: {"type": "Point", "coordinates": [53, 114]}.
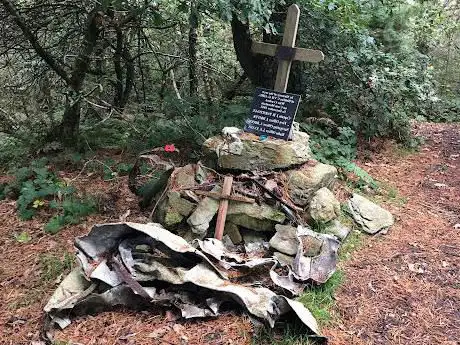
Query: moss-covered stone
{"type": "Point", "coordinates": [253, 216]}
{"type": "Point", "coordinates": [324, 207]}
{"type": "Point", "coordinates": [173, 209]}
{"type": "Point", "coordinates": [244, 151]}
{"type": "Point", "coordinates": [304, 182]}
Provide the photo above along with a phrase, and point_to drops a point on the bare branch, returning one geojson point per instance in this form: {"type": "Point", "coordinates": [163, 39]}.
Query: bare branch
{"type": "Point", "coordinates": [33, 40]}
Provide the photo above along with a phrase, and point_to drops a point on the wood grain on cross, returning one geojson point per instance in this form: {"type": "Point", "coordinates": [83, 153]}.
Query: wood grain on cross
{"type": "Point", "coordinates": [287, 52]}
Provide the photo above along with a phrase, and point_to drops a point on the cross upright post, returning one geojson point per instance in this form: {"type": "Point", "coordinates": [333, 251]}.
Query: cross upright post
{"type": "Point", "coordinates": [287, 52]}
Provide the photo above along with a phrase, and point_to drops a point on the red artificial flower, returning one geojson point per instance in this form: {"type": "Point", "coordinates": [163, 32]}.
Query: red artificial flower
{"type": "Point", "coordinates": [170, 148]}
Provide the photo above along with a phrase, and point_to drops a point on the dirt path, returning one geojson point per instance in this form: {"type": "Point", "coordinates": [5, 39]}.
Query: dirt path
{"type": "Point", "coordinates": [404, 287]}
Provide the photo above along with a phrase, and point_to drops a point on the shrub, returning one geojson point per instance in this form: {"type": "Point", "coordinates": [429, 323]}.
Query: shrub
{"type": "Point", "coordinates": [37, 187]}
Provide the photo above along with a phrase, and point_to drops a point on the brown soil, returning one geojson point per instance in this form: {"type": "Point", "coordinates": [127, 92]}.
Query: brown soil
{"type": "Point", "coordinates": [24, 292]}
{"type": "Point", "coordinates": [404, 287]}
{"type": "Point", "coordinates": [381, 302]}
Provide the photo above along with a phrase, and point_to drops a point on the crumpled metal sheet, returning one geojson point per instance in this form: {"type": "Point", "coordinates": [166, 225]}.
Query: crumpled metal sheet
{"type": "Point", "coordinates": [152, 254]}
{"type": "Point", "coordinates": [318, 268]}
{"type": "Point", "coordinates": [305, 269]}
{"type": "Point", "coordinates": [228, 259]}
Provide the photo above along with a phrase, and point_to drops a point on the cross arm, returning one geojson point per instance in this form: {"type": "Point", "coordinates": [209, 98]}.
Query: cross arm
{"type": "Point", "coordinates": [301, 54]}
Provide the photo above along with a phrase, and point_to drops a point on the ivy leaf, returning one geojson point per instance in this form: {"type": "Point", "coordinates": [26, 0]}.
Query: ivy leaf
{"type": "Point", "coordinates": [38, 203]}
{"type": "Point", "coordinates": [23, 237]}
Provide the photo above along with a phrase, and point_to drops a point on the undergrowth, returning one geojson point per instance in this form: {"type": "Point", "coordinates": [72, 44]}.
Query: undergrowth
{"type": "Point", "coordinates": [338, 148]}
{"type": "Point", "coordinates": [37, 188]}
{"type": "Point", "coordinates": [320, 299]}
{"type": "Point", "coordinates": [53, 266]}
{"type": "Point", "coordinates": [178, 124]}
{"type": "Point", "coordinates": [288, 334]}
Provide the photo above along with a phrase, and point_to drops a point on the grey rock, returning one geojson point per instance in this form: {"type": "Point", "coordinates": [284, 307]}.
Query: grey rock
{"type": "Point", "coordinates": [184, 177]}
{"type": "Point", "coordinates": [244, 151]}
{"type": "Point", "coordinates": [173, 209]}
{"type": "Point", "coordinates": [311, 244]}
{"type": "Point", "coordinates": [336, 228]}
{"type": "Point", "coordinates": [227, 242]}
{"type": "Point", "coordinates": [231, 131]}
{"type": "Point", "coordinates": [324, 207]}
{"type": "Point", "coordinates": [254, 242]}
{"type": "Point", "coordinates": [285, 239]}
{"type": "Point", "coordinates": [304, 182]}
{"type": "Point", "coordinates": [283, 259]}
{"type": "Point", "coordinates": [253, 216]}
{"type": "Point", "coordinates": [233, 232]}
{"type": "Point", "coordinates": [203, 214]}
{"type": "Point", "coordinates": [369, 215]}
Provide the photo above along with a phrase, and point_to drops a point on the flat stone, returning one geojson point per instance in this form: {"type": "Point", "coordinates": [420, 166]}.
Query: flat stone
{"type": "Point", "coordinates": [184, 177]}
{"type": "Point", "coordinates": [233, 232]}
{"type": "Point", "coordinates": [173, 209]}
{"type": "Point", "coordinates": [336, 228]}
{"type": "Point", "coordinates": [285, 239]}
{"type": "Point", "coordinates": [244, 151]}
{"type": "Point", "coordinates": [253, 216]}
{"type": "Point", "coordinates": [304, 182]}
{"type": "Point", "coordinates": [283, 259]}
{"type": "Point", "coordinates": [311, 245]}
{"type": "Point", "coordinates": [369, 215]}
{"type": "Point", "coordinates": [324, 207]}
{"type": "Point", "coordinates": [203, 214]}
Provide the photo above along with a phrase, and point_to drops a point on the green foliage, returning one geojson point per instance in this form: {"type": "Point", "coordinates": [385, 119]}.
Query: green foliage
{"type": "Point", "coordinates": [320, 299]}
{"type": "Point", "coordinates": [23, 237]}
{"type": "Point", "coordinates": [376, 77]}
{"type": "Point", "coordinates": [70, 211]}
{"type": "Point", "coordinates": [289, 335]}
{"type": "Point", "coordinates": [35, 184]}
{"type": "Point", "coordinates": [52, 266]}
{"type": "Point", "coordinates": [178, 125]}
{"type": "Point", "coordinates": [338, 151]}
{"type": "Point", "coordinates": [3, 190]}
{"type": "Point", "coordinates": [330, 150]}
{"type": "Point", "coordinates": [12, 151]}
{"type": "Point", "coordinates": [353, 242]}
{"type": "Point", "coordinates": [37, 187]}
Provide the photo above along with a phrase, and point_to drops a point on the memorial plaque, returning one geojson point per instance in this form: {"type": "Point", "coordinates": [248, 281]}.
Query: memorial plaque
{"type": "Point", "coordinates": [272, 113]}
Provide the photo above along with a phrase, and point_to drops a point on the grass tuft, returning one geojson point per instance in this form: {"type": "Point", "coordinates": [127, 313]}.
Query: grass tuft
{"type": "Point", "coordinates": [51, 266]}
{"type": "Point", "coordinates": [288, 335]}
{"type": "Point", "coordinates": [320, 299]}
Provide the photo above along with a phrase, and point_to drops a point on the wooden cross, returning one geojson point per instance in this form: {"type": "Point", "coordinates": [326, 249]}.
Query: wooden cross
{"type": "Point", "coordinates": [286, 52]}
{"type": "Point", "coordinates": [223, 207]}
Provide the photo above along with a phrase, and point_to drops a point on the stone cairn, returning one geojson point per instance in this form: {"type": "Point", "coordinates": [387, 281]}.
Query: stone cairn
{"type": "Point", "coordinates": [277, 187]}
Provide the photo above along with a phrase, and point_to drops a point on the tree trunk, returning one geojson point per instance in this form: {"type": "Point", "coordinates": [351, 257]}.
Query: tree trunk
{"type": "Point", "coordinates": [129, 79]}
{"type": "Point", "coordinates": [69, 127]}
{"type": "Point", "coordinates": [258, 68]}
{"type": "Point", "coordinates": [117, 100]}
{"type": "Point", "coordinates": [261, 69]}
{"type": "Point", "coordinates": [192, 49]}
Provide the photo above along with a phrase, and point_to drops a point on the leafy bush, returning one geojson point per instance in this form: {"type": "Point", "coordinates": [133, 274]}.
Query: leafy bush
{"type": "Point", "coordinates": [12, 151]}
{"type": "Point", "coordinates": [376, 77]}
{"type": "Point", "coordinates": [179, 124]}
{"type": "Point", "coordinates": [338, 151]}
{"type": "Point", "coordinates": [37, 187]}
{"type": "Point", "coordinates": [71, 211]}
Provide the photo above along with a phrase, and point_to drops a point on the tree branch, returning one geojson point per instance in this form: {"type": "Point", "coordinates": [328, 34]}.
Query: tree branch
{"type": "Point", "coordinates": [33, 40]}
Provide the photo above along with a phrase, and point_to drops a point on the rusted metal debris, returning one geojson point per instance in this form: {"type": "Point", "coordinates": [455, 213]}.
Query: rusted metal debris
{"type": "Point", "coordinates": [123, 263]}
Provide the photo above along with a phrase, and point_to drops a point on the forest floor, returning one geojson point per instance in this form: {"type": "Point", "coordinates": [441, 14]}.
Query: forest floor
{"type": "Point", "coordinates": [399, 288]}
{"type": "Point", "coordinates": [404, 287]}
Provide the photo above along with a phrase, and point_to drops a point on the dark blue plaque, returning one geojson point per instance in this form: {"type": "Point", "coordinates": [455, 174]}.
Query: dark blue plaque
{"type": "Point", "coordinates": [272, 113]}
